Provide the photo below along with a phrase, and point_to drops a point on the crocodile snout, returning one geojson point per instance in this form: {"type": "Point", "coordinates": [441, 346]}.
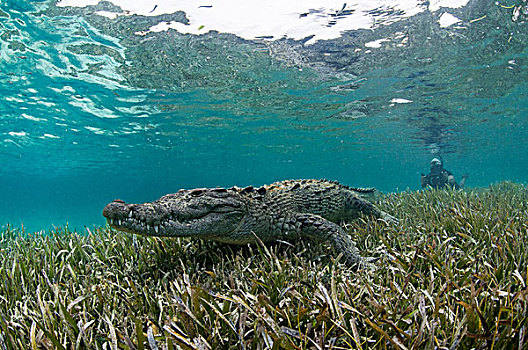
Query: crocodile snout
{"type": "Point", "coordinates": [114, 209]}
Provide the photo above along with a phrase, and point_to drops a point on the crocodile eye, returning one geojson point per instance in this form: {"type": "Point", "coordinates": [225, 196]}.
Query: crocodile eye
{"type": "Point", "coordinates": [196, 192]}
{"type": "Point", "coordinates": [248, 189]}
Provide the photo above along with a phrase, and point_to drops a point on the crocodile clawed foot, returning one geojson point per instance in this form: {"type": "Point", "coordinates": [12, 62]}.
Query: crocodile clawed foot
{"type": "Point", "coordinates": [389, 219]}
{"type": "Point", "coordinates": [370, 259]}
{"type": "Point", "coordinates": [366, 263]}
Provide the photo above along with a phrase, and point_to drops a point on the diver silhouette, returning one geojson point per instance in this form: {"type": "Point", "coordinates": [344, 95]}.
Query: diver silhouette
{"type": "Point", "coordinates": [439, 177]}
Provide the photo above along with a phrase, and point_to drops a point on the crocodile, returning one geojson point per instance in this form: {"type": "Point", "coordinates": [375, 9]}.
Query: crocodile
{"type": "Point", "coordinates": [285, 210]}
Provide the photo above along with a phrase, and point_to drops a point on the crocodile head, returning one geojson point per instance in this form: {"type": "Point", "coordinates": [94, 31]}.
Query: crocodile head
{"type": "Point", "coordinates": [205, 213]}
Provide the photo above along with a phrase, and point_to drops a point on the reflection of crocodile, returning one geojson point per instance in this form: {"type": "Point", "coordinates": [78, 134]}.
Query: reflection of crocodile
{"type": "Point", "coordinates": [286, 210]}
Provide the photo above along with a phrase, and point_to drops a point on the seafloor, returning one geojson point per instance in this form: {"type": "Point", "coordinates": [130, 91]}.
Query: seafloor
{"type": "Point", "coordinates": [451, 275]}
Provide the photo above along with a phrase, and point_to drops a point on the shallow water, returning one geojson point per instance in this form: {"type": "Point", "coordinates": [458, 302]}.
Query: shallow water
{"type": "Point", "coordinates": [94, 109]}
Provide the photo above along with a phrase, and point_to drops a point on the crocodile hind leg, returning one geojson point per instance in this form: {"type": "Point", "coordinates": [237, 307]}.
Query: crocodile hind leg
{"type": "Point", "coordinates": [318, 228]}
{"type": "Point", "coordinates": [356, 204]}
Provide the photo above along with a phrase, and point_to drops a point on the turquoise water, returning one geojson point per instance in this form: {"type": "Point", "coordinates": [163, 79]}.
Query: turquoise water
{"type": "Point", "coordinates": [91, 111]}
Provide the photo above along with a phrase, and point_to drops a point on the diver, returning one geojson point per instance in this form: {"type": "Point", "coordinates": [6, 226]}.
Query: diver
{"type": "Point", "coordinates": [520, 11]}
{"type": "Point", "coordinates": [440, 177]}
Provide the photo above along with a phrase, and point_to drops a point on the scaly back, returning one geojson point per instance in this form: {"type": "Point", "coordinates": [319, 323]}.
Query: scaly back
{"type": "Point", "coordinates": [329, 199]}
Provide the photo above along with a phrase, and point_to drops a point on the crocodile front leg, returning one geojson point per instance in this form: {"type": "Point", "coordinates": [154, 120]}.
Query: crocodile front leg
{"type": "Point", "coordinates": [318, 228]}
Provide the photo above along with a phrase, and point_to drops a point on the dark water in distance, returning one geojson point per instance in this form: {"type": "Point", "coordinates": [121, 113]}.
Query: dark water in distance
{"type": "Point", "coordinates": [90, 111]}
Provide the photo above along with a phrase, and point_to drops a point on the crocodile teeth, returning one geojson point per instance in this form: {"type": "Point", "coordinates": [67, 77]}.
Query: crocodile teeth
{"type": "Point", "coordinates": [130, 214]}
{"type": "Point", "coordinates": [111, 221]}
{"type": "Point", "coordinates": [156, 228]}
{"type": "Point", "coordinates": [119, 222]}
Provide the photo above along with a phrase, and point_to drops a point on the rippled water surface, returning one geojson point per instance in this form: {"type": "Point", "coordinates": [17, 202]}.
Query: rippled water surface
{"type": "Point", "coordinates": [101, 102]}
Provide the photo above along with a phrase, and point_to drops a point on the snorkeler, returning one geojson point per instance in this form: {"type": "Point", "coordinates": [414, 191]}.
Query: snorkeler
{"type": "Point", "coordinates": [440, 177]}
